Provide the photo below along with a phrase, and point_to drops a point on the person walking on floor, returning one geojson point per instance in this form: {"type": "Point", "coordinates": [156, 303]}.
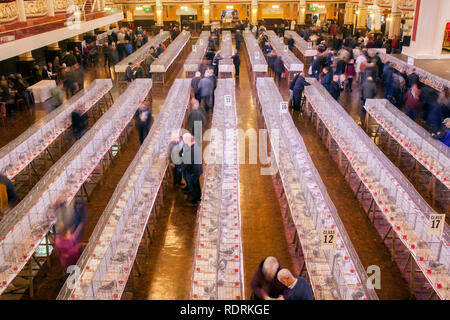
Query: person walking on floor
{"type": "Point", "coordinates": [237, 62]}
{"type": "Point", "coordinates": [142, 118]}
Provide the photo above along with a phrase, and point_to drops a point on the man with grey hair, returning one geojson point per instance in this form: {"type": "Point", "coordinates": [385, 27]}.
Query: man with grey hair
{"type": "Point", "coordinates": [196, 119]}
{"type": "Point", "coordinates": [299, 288]}
{"type": "Point", "coordinates": [265, 284]}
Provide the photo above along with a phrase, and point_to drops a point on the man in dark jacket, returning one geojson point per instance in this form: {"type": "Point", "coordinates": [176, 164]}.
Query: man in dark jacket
{"type": "Point", "coordinates": [194, 84]}
{"type": "Point", "coordinates": [195, 118]}
{"type": "Point", "coordinates": [299, 288]}
{"type": "Point", "coordinates": [238, 38]}
{"type": "Point", "coordinates": [434, 118]}
{"type": "Point", "coordinates": [278, 67]}
{"type": "Point", "coordinates": [237, 62]}
{"type": "Point", "coordinates": [315, 67]}
{"type": "Point", "coordinates": [192, 167]}
{"type": "Point", "coordinates": [388, 72]}
{"type": "Point", "coordinates": [297, 91]}
{"type": "Point", "coordinates": [327, 77]}
{"type": "Point", "coordinates": [129, 72]}
{"type": "Point", "coordinates": [79, 123]}
{"type": "Point", "coordinates": [142, 119]}
{"type": "Point", "coordinates": [335, 89]}
{"type": "Point", "coordinates": [368, 91]}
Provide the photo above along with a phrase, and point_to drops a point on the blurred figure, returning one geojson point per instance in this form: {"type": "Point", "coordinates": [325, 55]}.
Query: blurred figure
{"type": "Point", "coordinates": [238, 38]}
{"type": "Point", "coordinates": [206, 87]}
{"type": "Point", "coordinates": [350, 73]}
{"type": "Point", "coordinates": [8, 195]}
{"type": "Point", "coordinates": [412, 101]}
{"type": "Point", "coordinates": [195, 85]}
{"type": "Point", "coordinates": [237, 62]}
{"type": "Point", "coordinates": [434, 118]}
{"type": "Point", "coordinates": [142, 119]}
{"type": "Point", "coordinates": [175, 162]}
{"type": "Point", "coordinates": [79, 123]}
{"type": "Point", "coordinates": [70, 225]}
{"type": "Point", "coordinates": [265, 284]}
{"type": "Point", "coordinates": [57, 94]}
{"type": "Point", "coordinates": [195, 118]}
{"type": "Point", "coordinates": [368, 91]}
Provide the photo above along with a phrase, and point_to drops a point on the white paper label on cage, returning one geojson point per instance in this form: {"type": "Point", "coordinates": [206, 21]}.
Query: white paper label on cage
{"type": "Point", "coordinates": [436, 224]}
{"type": "Point", "coordinates": [256, 55]}
{"type": "Point", "coordinates": [194, 48]}
{"type": "Point", "coordinates": [227, 99]}
{"type": "Point", "coordinates": [283, 107]}
{"type": "Point", "coordinates": [411, 61]}
{"type": "Point", "coordinates": [286, 48]}
{"type": "Point", "coordinates": [201, 42]}
{"type": "Point", "coordinates": [328, 239]}
{"type": "Point", "coordinates": [228, 37]}
{"type": "Point", "coordinates": [309, 45]}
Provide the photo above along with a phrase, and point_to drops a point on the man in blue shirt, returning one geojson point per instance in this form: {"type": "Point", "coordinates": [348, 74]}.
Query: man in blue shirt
{"type": "Point", "coordinates": [299, 288]}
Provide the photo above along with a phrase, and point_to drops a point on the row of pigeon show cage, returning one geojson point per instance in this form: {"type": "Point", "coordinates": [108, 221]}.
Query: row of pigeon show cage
{"type": "Point", "coordinates": [195, 58]}
{"type": "Point", "coordinates": [164, 63]}
{"type": "Point", "coordinates": [421, 231]}
{"type": "Point", "coordinates": [332, 265]}
{"type": "Point", "coordinates": [226, 51]}
{"type": "Point", "coordinates": [218, 265]}
{"type": "Point", "coordinates": [28, 223]}
{"type": "Point", "coordinates": [108, 259]}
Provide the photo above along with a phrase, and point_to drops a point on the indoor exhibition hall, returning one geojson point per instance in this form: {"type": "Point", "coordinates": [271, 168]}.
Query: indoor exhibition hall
{"type": "Point", "coordinates": [224, 150]}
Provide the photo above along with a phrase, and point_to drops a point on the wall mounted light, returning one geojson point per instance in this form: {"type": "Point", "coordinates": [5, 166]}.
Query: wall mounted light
{"type": "Point", "coordinates": [254, 10]}
{"type": "Point", "coordinates": [139, 8]}
{"type": "Point", "coordinates": [229, 7]}
{"type": "Point", "coordinates": [357, 12]}
{"type": "Point", "coordinates": [107, 9]}
{"type": "Point", "coordinates": [389, 19]}
{"type": "Point", "coordinates": [275, 6]}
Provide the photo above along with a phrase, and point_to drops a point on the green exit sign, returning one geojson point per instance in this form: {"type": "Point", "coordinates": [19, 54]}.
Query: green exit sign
{"type": "Point", "coordinates": [313, 7]}
{"type": "Point", "coordinates": [147, 9]}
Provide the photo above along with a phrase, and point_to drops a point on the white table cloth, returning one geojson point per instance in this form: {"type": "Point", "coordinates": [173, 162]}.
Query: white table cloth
{"type": "Point", "coordinates": [41, 90]}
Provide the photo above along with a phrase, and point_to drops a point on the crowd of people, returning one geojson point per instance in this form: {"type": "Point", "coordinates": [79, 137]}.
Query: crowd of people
{"type": "Point", "coordinates": [348, 63]}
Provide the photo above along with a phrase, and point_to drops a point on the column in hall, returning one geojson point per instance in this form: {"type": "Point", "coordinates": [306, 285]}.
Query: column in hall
{"type": "Point", "coordinates": [376, 23]}
{"type": "Point", "coordinates": [51, 8]}
{"type": "Point", "coordinates": [395, 23]}
{"type": "Point", "coordinates": [301, 12]}
{"type": "Point", "coordinates": [159, 13]}
{"type": "Point", "coordinates": [361, 23]}
{"type": "Point", "coordinates": [348, 18]}
{"type": "Point", "coordinates": [21, 10]}
{"type": "Point", "coordinates": [206, 13]}
{"type": "Point", "coordinates": [254, 16]}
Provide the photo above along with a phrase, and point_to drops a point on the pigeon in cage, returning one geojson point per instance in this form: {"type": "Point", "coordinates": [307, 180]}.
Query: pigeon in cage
{"type": "Point", "coordinates": [223, 264]}
{"type": "Point", "coordinates": [228, 251]}
{"type": "Point", "coordinates": [358, 294]}
{"type": "Point", "coordinates": [108, 286]}
{"type": "Point", "coordinates": [4, 267]}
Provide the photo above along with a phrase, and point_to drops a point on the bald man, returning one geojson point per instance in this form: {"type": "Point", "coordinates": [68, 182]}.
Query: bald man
{"type": "Point", "coordinates": [299, 288]}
